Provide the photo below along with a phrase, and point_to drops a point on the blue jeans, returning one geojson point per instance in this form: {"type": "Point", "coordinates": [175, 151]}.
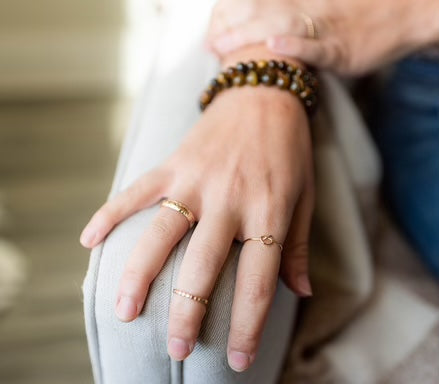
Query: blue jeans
{"type": "Point", "coordinates": [407, 133]}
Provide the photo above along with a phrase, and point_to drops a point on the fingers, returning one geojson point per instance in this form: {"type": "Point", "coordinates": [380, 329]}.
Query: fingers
{"type": "Point", "coordinates": [147, 259]}
{"type": "Point", "coordinates": [246, 34]}
{"type": "Point", "coordinates": [294, 265]}
{"type": "Point", "coordinates": [203, 260]}
{"type": "Point", "coordinates": [256, 31]}
{"type": "Point", "coordinates": [256, 281]}
{"type": "Point", "coordinates": [143, 193]}
{"type": "Point", "coordinates": [255, 286]}
{"type": "Point", "coordinates": [311, 51]}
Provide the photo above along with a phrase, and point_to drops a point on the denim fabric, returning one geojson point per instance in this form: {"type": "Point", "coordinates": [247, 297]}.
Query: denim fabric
{"type": "Point", "coordinates": [407, 133]}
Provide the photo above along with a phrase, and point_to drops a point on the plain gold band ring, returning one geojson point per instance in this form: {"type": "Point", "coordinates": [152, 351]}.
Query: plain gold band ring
{"type": "Point", "coordinates": [266, 240]}
{"type": "Point", "coordinates": [311, 29]}
{"type": "Point", "coordinates": [190, 296]}
{"type": "Point", "coordinates": [180, 208]}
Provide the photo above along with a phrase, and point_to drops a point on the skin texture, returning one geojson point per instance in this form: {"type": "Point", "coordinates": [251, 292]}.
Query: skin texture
{"type": "Point", "coordinates": [354, 37]}
{"type": "Point", "coordinates": [253, 160]}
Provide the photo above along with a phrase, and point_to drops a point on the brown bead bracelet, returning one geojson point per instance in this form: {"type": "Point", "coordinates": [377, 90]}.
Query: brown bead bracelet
{"type": "Point", "coordinates": [300, 82]}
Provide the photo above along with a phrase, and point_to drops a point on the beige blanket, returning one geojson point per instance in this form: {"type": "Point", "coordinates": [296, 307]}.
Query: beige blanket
{"type": "Point", "coordinates": [374, 316]}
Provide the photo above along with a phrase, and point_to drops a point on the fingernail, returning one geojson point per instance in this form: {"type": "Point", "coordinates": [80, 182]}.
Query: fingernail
{"type": "Point", "coordinates": [126, 309]}
{"type": "Point", "coordinates": [239, 361]}
{"type": "Point", "coordinates": [178, 349]}
{"type": "Point", "coordinates": [88, 236]}
{"type": "Point", "coordinates": [304, 285]}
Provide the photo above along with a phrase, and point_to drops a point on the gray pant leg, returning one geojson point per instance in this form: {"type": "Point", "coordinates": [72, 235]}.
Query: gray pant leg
{"type": "Point", "coordinates": [136, 352]}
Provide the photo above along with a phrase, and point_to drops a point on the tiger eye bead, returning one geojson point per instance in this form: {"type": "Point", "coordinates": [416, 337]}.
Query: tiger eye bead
{"type": "Point", "coordinates": [282, 65]}
{"type": "Point", "coordinates": [291, 69]}
{"type": "Point", "coordinates": [262, 64]}
{"type": "Point", "coordinates": [252, 78]}
{"type": "Point", "coordinates": [294, 87]}
{"type": "Point", "coordinates": [305, 93]}
{"type": "Point", "coordinates": [239, 79]}
{"type": "Point", "coordinates": [206, 97]}
{"type": "Point", "coordinates": [268, 77]}
{"type": "Point", "coordinates": [251, 66]}
{"type": "Point", "coordinates": [241, 67]}
{"type": "Point", "coordinates": [311, 101]}
{"type": "Point", "coordinates": [283, 80]}
{"type": "Point", "coordinates": [300, 82]}
{"type": "Point", "coordinates": [231, 71]}
{"type": "Point", "coordinates": [224, 80]}
{"type": "Point", "coordinates": [272, 64]}
{"type": "Point", "coordinates": [214, 84]}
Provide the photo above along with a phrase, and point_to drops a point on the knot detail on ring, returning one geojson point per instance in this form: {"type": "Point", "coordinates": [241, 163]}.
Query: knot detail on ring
{"type": "Point", "coordinates": [180, 208]}
{"type": "Point", "coordinates": [266, 240]}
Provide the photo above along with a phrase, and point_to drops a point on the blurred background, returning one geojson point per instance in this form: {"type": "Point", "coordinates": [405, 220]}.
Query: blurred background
{"type": "Point", "coordinates": [69, 71]}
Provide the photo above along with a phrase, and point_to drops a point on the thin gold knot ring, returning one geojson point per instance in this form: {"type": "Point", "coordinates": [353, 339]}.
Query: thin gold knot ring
{"type": "Point", "coordinates": [266, 240]}
{"type": "Point", "coordinates": [190, 296]}
{"type": "Point", "coordinates": [180, 208]}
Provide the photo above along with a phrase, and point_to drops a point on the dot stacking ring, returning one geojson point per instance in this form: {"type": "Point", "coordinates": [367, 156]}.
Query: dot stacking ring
{"type": "Point", "coordinates": [266, 240]}
{"type": "Point", "coordinates": [180, 208]}
{"type": "Point", "coordinates": [190, 296]}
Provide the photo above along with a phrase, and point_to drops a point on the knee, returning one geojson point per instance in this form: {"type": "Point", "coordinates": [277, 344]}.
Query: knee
{"type": "Point", "coordinates": [113, 344]}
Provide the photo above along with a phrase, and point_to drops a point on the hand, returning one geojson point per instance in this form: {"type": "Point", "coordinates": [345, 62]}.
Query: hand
{"type": "Point", "coordinates": [245, 170]}
{"type": "Point", "coordinates": [354, 37]}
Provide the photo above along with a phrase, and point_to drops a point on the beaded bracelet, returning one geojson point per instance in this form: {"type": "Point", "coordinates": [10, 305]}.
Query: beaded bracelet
{"type": "Point", "coordinates": [299, 82]}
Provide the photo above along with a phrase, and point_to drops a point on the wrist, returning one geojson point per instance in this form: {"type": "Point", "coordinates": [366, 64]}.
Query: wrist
{"type": "Point", "coordinates": [259, 52]}
{"type": "Point", "coordinates": [289, 78]}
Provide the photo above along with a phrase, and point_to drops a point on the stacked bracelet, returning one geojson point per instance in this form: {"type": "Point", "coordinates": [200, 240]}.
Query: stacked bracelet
{"type": "Point", "coordinates": [300, 82]}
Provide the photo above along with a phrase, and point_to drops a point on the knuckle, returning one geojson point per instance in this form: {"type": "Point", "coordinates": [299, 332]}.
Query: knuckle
{"type": "Point", "coordinates": [255, 288]}
{"type": "Point", "coordinates": [105, 215]}
{"type": "Point", "coordinates": [300, 250]}
{"type": "Point", "coordinates": [183, 320]}
{"type": "Point", "coordinates": [161, 228]}
{"type": "Point", "coordinates": [136, 277]}
{"type": "Point", "coordinates": [134, 283]}
{"type": "Point", "coordinates": [242, 338]}
{"type": "Point", "coordinates": [204, 259]}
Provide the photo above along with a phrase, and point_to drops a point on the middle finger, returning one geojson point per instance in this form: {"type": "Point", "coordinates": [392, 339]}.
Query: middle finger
{"type": "Point", "coordinates": [206, 253]}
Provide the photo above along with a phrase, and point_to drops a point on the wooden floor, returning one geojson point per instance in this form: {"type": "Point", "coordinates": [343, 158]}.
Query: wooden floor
{"type": "Point", "coordinates": [56, 166]}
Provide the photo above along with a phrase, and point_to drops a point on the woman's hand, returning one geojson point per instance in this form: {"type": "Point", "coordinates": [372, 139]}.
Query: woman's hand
{"type": "Point", "coordinates": [354, 37]}
{"type": "Point", "coordinates": [245, 170]}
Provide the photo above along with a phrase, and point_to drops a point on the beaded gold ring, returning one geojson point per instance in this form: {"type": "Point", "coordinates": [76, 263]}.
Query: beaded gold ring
{"type": "Point", "coordinates": [190, 296]}
{"type": "Point", "coordinates": [298, 81]}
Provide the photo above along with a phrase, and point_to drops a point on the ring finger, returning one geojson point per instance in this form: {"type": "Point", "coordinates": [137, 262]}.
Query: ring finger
{"type": "Point", "coordinates": [256, 282]}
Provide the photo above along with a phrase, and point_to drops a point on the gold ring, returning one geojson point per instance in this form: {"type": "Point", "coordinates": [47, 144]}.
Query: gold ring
{"type": "Point", "coordinates": [311, 29]}
{"type": "Point", "coordinates": [180, 208]}
{"type": "Point", "coordinates": [266, 240]}
{"type": "Point", "coordinates": [189, 296]}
